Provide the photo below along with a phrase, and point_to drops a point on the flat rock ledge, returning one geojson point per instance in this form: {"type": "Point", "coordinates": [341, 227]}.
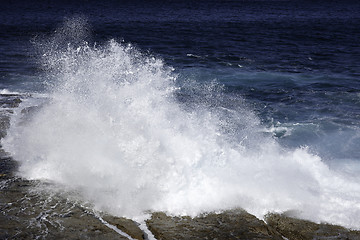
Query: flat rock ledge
{"type": "Point", "coordinates": [297, 229]}
{"type": "Point", "coordinates": [234, 224]}
{"type": "Point", "coordinates": [238, 224]}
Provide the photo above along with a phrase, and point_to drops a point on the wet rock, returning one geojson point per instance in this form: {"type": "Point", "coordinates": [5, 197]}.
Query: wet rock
{"type": "Point", "coordinates": [126, 225]}
{"type": "Point", "coordinates": [29, 214]}
{"type": "Point", "coordinates": [10, 101]}
{"type": "Point", "coordinates": [7, 103]}
{"type": "Point", "coordinates": [4, 124]}
{"type": "Point", "coordinates": [234, 224]}
{"type": "Point", "coordinates": [30, 110]}
{"type": "Point", "coordinates": [7, 166]}
{"type": "Point", "coordinates": [28, 113]}
{"type": "Point", "coordinates": [297, 229]}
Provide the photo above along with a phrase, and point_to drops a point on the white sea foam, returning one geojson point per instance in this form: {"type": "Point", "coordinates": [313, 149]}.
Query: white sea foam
{"type": "Point", "coordinates": [115, 130]}
{"type": "Point", "coordinates": [7, 92]}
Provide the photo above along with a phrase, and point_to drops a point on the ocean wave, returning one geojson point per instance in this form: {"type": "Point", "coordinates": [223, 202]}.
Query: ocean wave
{"type": "Point", "coordinates": [114, 130]}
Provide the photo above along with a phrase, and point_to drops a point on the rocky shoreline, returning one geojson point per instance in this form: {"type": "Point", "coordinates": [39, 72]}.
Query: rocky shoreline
{"type": "Point", "coordinates": [29, 214]}
{"type": "Point", "coordinates": [238, 224]}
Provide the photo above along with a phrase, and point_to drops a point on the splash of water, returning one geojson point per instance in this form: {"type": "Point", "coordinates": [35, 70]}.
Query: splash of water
{"type": "Point", "coordinates": [124, 132]}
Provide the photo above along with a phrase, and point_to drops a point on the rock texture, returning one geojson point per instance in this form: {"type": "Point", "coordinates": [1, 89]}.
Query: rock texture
{"type": "Point", "coordinates": [297, 229]}
{"type": "Point", "coordinates": [126, 225]}
{"type": "Point", "coordinates": [234, 224]}
{"type": "Point", "coordinates": [27, 214]}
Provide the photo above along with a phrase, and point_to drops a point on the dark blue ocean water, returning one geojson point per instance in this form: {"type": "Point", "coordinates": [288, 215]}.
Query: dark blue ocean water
{"type": "Point", "coordinates": [296, 63]}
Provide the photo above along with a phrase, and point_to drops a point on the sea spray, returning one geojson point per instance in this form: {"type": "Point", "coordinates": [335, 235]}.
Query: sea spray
{"type": "Point", "coordinates": [120, 128]}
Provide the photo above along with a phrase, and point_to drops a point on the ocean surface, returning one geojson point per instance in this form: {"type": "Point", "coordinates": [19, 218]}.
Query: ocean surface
{"type": "Point", "coordinates": [188, 106]}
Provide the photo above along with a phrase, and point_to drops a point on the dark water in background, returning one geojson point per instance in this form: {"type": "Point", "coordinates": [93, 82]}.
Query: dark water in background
{"type": "Point", "coordinates": [296, 63]}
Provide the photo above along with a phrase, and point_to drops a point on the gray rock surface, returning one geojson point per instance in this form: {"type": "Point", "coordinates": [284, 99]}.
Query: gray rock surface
{"type": "Point", "coordinates": [234, 224]}
{"type": "Point", "coordinates": [126, 225]}
{"type": "Point", "coordinates": [297, 229]}
{"type": "Point", "coordinates": [27, 214]}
